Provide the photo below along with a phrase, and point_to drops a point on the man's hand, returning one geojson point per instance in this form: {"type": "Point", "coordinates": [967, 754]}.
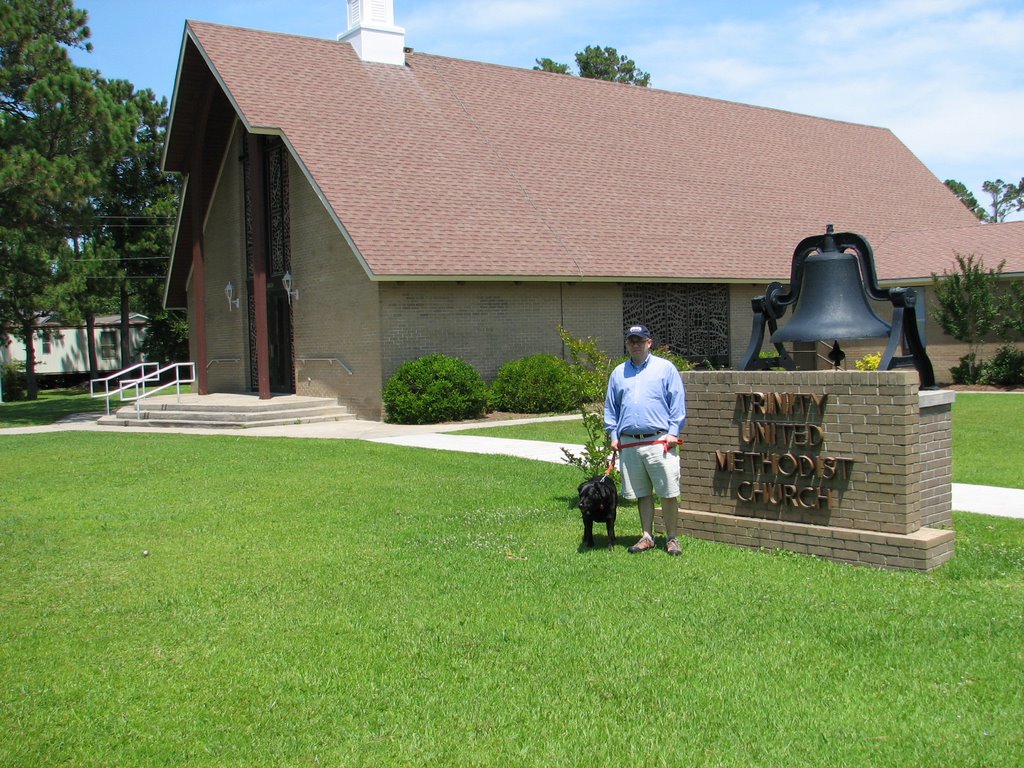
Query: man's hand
{"type": "Point", "coordinates": [671, 441]}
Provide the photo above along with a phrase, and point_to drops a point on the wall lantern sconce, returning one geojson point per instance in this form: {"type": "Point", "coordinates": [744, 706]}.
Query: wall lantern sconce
{"type": "Point", "coordinates": [292, 293]}
{"type": "Point", "coordinates": [229, 292]}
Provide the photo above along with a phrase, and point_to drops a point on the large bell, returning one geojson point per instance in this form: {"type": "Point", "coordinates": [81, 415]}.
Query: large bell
{"type": "Point", "coordinates": [830, 289]}
{"type": "Point", "coordinates": [832, 303]}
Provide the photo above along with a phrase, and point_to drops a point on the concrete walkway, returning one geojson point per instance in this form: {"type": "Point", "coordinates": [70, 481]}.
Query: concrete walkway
{"type": "Point", "coordinates": [989, 500]}
{"type": "Point", "coordinates": [986, 500]}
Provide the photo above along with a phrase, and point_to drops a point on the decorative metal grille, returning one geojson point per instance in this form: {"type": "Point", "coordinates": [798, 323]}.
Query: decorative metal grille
{"type": "Point", "coordinates": [692, 319]}
{"type": "Point", "coordinates": [280, 234]}
{"type": "Point", "coordinates": [249, 267]}
{"type": "Point", "coordinates": [279, 224]}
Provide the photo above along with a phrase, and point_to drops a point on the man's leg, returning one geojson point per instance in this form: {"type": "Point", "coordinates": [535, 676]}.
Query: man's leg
{"type": "Point", "coordinates": [670, 516]}
{"type": "Point", "coordinates": [646, 505]}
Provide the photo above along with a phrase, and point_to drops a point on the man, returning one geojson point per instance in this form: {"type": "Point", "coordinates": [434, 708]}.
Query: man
{"type": "Point", "coordinates": [644, 412]}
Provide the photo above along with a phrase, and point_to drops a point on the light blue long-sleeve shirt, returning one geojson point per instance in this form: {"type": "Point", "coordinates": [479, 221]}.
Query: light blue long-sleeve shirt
{"type": "Point", "coordinates": [644, 399]}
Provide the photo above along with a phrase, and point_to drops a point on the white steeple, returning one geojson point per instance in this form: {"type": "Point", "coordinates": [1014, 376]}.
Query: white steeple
{"type": "Point", "coordinates": [372, 31]}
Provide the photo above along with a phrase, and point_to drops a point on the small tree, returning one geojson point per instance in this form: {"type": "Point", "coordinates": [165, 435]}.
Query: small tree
{"type": "Point", "coordinates": [590, 369]}
{"type": "Point", "coordinates": [134, 211]}
{"type": "Point", "coordinates": [589, 365]}
{"type": "Point", "coordinates": [166, 337]}
{"type": "Point", "coordinates": [1012, 312]}
{"type": "Point", "coordinates": [968, 305]}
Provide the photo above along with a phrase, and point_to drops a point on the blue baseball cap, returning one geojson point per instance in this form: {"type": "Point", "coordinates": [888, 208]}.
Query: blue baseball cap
{"type": "Point", "coordinates": [638, 330]}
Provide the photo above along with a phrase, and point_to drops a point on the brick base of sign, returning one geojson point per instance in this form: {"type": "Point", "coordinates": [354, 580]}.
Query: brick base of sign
{"type": "Point", "coordinates": [853, 466]}
{"type": "Point", "coordinates": [923, 550]}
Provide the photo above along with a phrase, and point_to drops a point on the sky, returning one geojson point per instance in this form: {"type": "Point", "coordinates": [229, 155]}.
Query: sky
{"type": "Point", "coordinates": [945, 76]}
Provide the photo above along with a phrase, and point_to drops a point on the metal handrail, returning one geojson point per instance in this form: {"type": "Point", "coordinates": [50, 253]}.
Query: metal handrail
{"type": "Point", "coordinates": [324, 360]}
{"type": "Point", "coordinates": [107, 381]}
{"type": "Point", "coordinates": [176, 382]}
{"type": "Point", "coordinates": [223, 360]}
{"type": "Point", "coordinates": [141, 385]}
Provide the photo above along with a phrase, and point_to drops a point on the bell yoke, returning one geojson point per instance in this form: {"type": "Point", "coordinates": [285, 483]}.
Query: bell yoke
{"type": "Point", "coordinates": [832, 277]}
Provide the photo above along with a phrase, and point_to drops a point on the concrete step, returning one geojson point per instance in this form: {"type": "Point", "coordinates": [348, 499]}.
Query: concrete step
{"type": "Point", "coordinates": [226, 412]}
{"type": "Point", "coordinates": [176, 421]}
{"type": "Point", "coordinates": [242, 417]}
{"type": "Point", "coordinates": [236, 404]}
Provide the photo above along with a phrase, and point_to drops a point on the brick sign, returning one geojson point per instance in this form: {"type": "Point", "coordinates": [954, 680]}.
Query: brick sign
{"type": "Point", "coordinates": [779, 460]}
{"type": "Point", "coordinates": [854, 466]}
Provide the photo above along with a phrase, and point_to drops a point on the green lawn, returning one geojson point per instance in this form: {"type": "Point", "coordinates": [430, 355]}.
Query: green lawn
{"type": "Point", "coordinates": [568, 431]}
{"type": "Point", "coordinates": [320, 602]}
{"type": "Point", "coordinates": [52, 406]}
{"type": "Point", "coordinates": [988, 438]}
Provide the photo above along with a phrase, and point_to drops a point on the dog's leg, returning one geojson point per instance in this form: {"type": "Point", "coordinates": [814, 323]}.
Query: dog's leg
{"type": "Point", "coordinates": [588, 531]}
{"type": "Point", "coordinates": [611, 531]}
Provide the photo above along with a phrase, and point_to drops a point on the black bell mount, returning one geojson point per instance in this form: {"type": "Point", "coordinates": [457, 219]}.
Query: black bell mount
{"type": "Point", "coordinates": [831, 281]}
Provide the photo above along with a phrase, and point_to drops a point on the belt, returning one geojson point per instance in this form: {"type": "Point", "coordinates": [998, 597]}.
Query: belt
{"type": "Point", "coordinates": [642, 435]}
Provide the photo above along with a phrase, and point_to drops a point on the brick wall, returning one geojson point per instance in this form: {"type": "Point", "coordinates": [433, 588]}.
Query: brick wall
{"type": "Point", "coordinates": [741, 316]}
{"type": "Point", "coordinates": [854, 468]}
{"type": "Point", "coordinates": [337, 317]}
{"type": "Point", "coordinates": [227, 344]}
{"type": "Point", "coordinates": [489, 324]}
{"type": "Point", "coordinates": [936, 459]}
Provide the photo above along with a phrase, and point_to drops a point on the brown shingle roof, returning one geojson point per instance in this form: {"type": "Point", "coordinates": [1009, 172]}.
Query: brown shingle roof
{"type": "Point", "coordinates": [920, 253]}
{"type": "Point", "coordinates": [454, 168]}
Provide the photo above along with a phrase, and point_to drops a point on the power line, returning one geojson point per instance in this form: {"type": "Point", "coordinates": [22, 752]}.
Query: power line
{"type": "Point", "coordinates": [135, 216]}
{"type": "Point", "coordinates": [126, 258]}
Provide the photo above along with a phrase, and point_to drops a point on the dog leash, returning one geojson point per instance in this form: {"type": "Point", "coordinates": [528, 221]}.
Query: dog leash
{"type": "Point", "coordinates": [611, 459]}
{"type": "Point", "coordinates": [649, 442]}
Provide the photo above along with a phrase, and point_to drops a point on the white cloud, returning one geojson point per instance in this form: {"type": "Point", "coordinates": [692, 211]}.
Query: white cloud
{"type": "Point", "coordinates": [505, 18]}
{"type": "Point", "coordinates": [945, 76]}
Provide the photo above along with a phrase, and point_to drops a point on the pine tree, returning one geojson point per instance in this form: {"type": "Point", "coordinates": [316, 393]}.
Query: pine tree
{"type": "Point", "coordinates": [59, 124]}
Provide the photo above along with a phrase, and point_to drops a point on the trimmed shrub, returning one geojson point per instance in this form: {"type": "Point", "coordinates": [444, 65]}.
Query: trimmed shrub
{"type": "Point", "coordinates": [1006, 368]}
{"type": "Point", "coordinates": [967, 372]}
{"type": "Point", "coordinates": [432, 389]}
{"type": "Point", "coordinates": [14, 384]}
{"type": "Point", "coordinates": [535, 384]}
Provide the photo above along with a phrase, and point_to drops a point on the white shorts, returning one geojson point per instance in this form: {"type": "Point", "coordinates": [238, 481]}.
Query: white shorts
{"type": "Point", "coordinates": [647, 470]}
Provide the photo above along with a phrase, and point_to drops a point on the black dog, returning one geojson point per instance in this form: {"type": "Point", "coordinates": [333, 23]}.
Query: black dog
{"type": "Point", "coordinates": [599, 501]}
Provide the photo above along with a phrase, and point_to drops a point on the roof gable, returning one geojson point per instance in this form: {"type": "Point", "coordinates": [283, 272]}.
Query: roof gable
{"type": "Point", "coordinates": [451, 168]}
